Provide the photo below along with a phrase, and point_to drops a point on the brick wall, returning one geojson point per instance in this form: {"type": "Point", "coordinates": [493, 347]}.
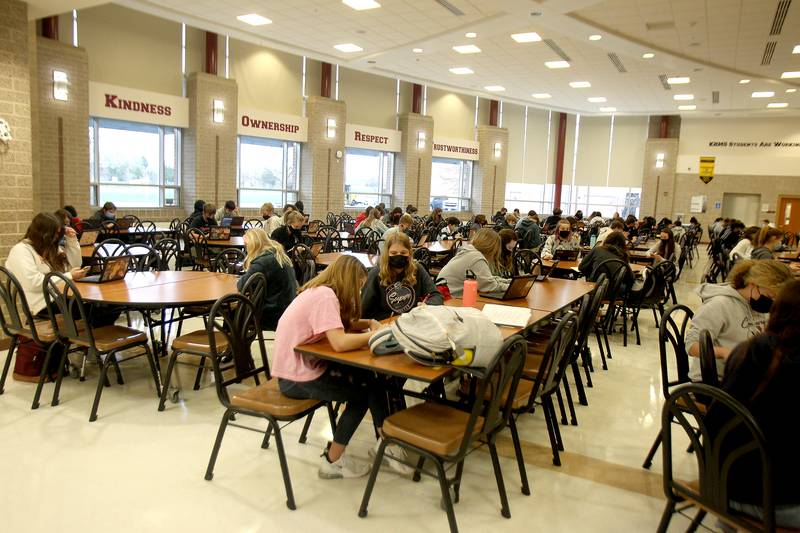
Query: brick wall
{"type": "Point", "coordinates": [15, 108]}
{"type": "Point", "coordinates": [489, 184]}
{"type": "Point", "coordinates": [321, 172]}
{"type": "Point", "coordinates": [658, 184]}
{"type": "Point", "coordinates": [412, 176]}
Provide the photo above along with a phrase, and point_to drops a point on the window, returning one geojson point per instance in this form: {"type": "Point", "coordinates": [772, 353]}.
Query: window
{"type": "Point", "coordinates": [607, 200]}
{"type": "Point", "coordinates": [451, 184]}
{"type": "Point", "coordinates": [268, 171]}
{"type": "Point", "coordinates": [527, 196]}
{"type": "Point", "coordinates": [133, 165]}
{"type": "Point", "coordinates": [368, 177]}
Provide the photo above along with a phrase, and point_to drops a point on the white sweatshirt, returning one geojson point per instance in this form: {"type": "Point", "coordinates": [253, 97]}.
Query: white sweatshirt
{"type": "Point", "coordinates": [29, 268]}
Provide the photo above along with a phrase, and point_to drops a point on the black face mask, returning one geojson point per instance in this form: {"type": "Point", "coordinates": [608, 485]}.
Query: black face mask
{"type": "Point", "coordinates": [398, 261]}
{"type": "Point", "coordinates": [563, 234]}
{"type": "Point", "coordinates": [762, 304]}
{"type": "Point", "coordinates": [297, 232]}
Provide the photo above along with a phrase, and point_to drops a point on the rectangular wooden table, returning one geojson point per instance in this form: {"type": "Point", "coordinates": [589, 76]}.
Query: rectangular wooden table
{"type": "Point", "coordinates": [550, 295]}
{"type": "Point", "coordinates": [233, 242]}
{"type": "Point", "coordinates": [537, 316]}
{"type": "Point", "coordinates": [368, 260]}
{"type": "Point", "coordinates": [787, 256]}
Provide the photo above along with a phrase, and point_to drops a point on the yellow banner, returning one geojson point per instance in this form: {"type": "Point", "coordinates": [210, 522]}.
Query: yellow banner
{"type": "Point", "coordinates": [707, 168]}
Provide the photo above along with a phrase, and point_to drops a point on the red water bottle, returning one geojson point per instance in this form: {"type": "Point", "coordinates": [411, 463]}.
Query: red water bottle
{"type": "Point", "coordinates": [470, 295]}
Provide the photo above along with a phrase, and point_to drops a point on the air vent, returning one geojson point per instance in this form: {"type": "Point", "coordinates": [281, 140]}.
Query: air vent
{"type": "Point", "coordinates": [617, 62]}
{"type": "Point", "coordinates": [557, 49]}
{"type": "Point", "coordinates": [780, 17]}
{"type": "Point", "coordinates": [664, 82]}
{"type": "Point", "coordinates": [714, 97]}
{"type": "Point", "coordinates": [450, 7]}
{"type": "Point", "coordinates": [663, 25]}
{"type": "Point", "coordinates": [766, 59]}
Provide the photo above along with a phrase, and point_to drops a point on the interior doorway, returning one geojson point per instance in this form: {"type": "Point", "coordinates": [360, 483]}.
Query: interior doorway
{"type": "Point", "coordinates": [787, 217]}
{"type": "Point", "coordinates": [744, 207]}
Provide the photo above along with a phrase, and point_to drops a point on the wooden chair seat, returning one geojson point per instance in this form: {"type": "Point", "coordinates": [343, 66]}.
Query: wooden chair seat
{"type": "Point", "coordinates": [110, 338]}
{"type": "Point", "coordinates": [44, 328]}
{"type": "Point", "coordinates": [268, 398]}
{"type": "Point", "coordinates": [433, 427]}
{"type": "Point", "coordinates": [197, 341]}
{"type": "Point", "coordinates": [683, 405]}
{"type": "Point", "coordinates": [532, 364]}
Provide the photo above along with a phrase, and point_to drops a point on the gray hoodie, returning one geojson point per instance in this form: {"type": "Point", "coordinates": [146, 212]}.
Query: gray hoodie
{"type": "Point", "coordinates": [468, 258]}
{"type": "Point", "coordinates": [728, 317]}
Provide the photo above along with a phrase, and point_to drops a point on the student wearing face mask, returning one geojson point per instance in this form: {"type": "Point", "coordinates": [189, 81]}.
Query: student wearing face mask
{"type": "Point", "coordinates": [666, 249]}
{"type": "Point", "coordinates": [206, 217]}
{"type": "Point", "coordinates": [562, 239]}
{"type": "Point", "coordinates": [769, 241]}
{"type": "Point", "coordinates": [292, 233]}
{"type": "Point", "coordinates": [107, 213]}
{"type": "Point", "coordinates": [404, 224]}
{"type": "Point", "coordinates": [508, 243]}
{"type": "Point", "coordinates": [380, 298]}
{"type": "Point", "coordinates": [735, 311]}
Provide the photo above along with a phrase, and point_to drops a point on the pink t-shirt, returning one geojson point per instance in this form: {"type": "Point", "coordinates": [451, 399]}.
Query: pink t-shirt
{"type": "Point", "coordinates": [305, 321]}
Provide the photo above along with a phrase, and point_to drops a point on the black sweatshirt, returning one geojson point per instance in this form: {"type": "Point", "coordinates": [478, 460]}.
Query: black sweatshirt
{"type": "Point", "coordinates": [373, 295]}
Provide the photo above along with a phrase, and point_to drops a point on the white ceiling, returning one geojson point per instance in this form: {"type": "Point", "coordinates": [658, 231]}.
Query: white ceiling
{"type": "Point", "coordinates": [715, 42]}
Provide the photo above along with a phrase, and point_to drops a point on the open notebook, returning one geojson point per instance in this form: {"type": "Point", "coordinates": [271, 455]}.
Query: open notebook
{"type": "Point", "coordinates": [506, 315]}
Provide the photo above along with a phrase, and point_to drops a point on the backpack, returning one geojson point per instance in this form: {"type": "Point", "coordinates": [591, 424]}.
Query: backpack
{"type": "Point", "coordinates": [440, 335]}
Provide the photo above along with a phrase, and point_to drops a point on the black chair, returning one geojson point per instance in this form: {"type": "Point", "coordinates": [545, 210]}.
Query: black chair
{"type": "Point", "coordinates": [229, 261]}
{"type": "Point", "coordinates": [233, 327]}
{"type": "Point", "coordinates": [133, 220]}
{"type": "Point", "coordinates": [168, 252]}
{"type": "Point", "coordinates": [254, 289]}
{"type": "Point", "coordinates": [423, 257]}
{"type": "Point", "coordinates": [359, 241]}
{"type": "Point", "coordinates": [305, 267]}
{"type": "Point", "coordinates": [314, 226]}
{"type": "Point", "coordinates": [708, 359]}
{"type": "Point", "coordinates": [109, 248]}
{"type": "Point", "coordinates": [147, 225]}
{"type": "Point", "coordinates": [198, 249]}
{"type": "Point", "coordinates": [144, 258]}
{"type": "Point", "coordinates": [175, 224]}
{"type": "Point", "coordinates": [526, 261]}
{"type": "Point", "coordinates": [253, 223]}
{"type": "Point", "coordinates": [620, 278]}
{"type": "Point", "coordinates": [732, 437]}
{"type": "Point", "coordinates": [330, 238]}
{"type": "Point", "coordinates": [674, 359]}
{"type": "Point", "coordinates": [443, 434]}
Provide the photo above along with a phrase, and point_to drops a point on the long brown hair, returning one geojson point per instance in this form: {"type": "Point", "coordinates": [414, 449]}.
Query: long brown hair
{"type": "Point", "coordinates": [506, 257]}
{"type": "Point", "coordinates": [344, 278]}
{"type": "Point", "coordinates": [766, 234]}
{"type": "Point", "coordinates": [43, 234]}
{"type": "Point", "coordinates": [487, 242]}
{"type": "Point", "coordinates": [616, 243]}
{"type": "Point", "coordinates": [666, 249]}
{"type": "Point", "coordinates": [387, 275]}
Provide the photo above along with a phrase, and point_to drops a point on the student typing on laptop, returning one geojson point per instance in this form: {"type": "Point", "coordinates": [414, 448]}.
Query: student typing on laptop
{"type": "Point", "coordinates": [562, 239]}
{"type": "Point", "coordinates": [205, 218]}
{"type": "Point", "coordinates": [481, 256]}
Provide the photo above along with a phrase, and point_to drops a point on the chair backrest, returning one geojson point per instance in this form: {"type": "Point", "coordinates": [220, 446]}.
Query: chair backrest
{"type": "Point", "coordinates": [619, 273]}
{"type": "Point", "coordinates": [198, 244]}
{"type": "Point", "coordinates": [423, 257]}
{"type": "Point", "coordinates": [723, 438]}
{"type": "Point", "coordinates": [708, 360]}
{"type": "Point", "coordinates": [110, 248]}
{"type": "Point", "coordinates": [236, 319]}
{"type": "Point", "coordinates": [109, 227]}
{"type": "Point", "coordinates": [229, 261]}
{"type": "Point", "coordinates": [147, 225]}
{"type": "Point", "coordinates": [329, 236]}
{"type": "Point", "coordinates": [15, 314]}
{"type": "Point", "coordinates": [590, 306]}
{"type": "Point", "coordinates": [304, 265]}
{"type": "Point", "coordinates": [672, 347]}
{"type": "Point", "coordinates": [133, 220]}
{"type": "Point", "coordinates": [254, 289]}
{"type": "Point", "coordinates": [526, 261]}
{"type": "Point", "coordinates": [144, 258]}
{"type": "Point", "coordinates": [168, 250]}
{"type": "Point", "coordinates": [175, 223]}
{"type": "Point", "coordinates": [253, 223]}
{"type": "Point", "coordinates": [314, 225]}
{"type": "Point", "coordinates": [554, 360]}
{"type": "Point", "coordinates": [61, 293]}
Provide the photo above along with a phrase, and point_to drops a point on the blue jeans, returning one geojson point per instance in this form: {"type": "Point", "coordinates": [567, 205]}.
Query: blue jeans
{"type": "Point", "coordinates": [359, 389]}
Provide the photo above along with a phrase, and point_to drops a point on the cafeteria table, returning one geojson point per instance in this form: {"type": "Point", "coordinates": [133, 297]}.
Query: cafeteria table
{"type": "Point", "coordinates": [788, 256]}
{"type": "Point", "coordinates": [233, 242]}
{"type": "Point", "coordinates": [550, 295]}
{"type": "Point", "coordinates": [570, 265]}
{"type": "Point", "coordinates": [368, 260]}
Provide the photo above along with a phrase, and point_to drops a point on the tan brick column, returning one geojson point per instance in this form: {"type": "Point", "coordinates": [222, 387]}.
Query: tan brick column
{"type": "Point", "coordinates": [321, 172]}
{"type": "Point", "coordinates": [15, 108]}
{"type": "Point", "coordinates": [489, 184]}
{"type": "Point", "coordinates": [209, 148]}
{"type": "Point", "coordinates": [412, 175]}
{"type": "Point", "coordinates": [658, 184]}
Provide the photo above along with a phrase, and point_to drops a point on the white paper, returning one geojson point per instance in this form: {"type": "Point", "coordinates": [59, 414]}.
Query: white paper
{"type": "Point", "coordinates": [507, 315]}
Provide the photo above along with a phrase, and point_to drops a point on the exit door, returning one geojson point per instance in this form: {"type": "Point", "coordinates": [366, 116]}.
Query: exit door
{"type": "Point", "coordinates": [788, 216]}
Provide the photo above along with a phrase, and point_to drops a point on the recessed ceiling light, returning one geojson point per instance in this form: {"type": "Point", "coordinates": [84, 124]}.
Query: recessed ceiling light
{"type": "Point", "coordinates": [595, 37]}
{"type": "Point", "coordinates": [495, 88]}
{"type": "Point", "coordinates": [790, 74]}
{"type": "Point", "coordinates": [470, 35]}
{"type": "Point", "coordinates": [744, 82]}
{"type": "Point", "coordinates": [529, 37]}
{"type": "Point", "coordinates": [254, 19]}
{"type": "Point", "coordinates": [648, 55]}
{"type": "Point", "coordinates": [791, 90]}
{"type": "Point", "coordinates": [597, 99]}
{"type": "Point", "coordinates": [763, 94]}
{"type": "Point", "coordinates": [417, 50]}
{"type": "Point", "coordinates": [608, 109]}
{"type": "Point", "coordinates": [777, 105]}
{"type": "Point", "coordinates": [678, 80]}
{"type": "Point", "coordinates": [687, 107]}
{"type": "Point", "coordinates": [361, 5]}
{"type": "Point", "coordinates": [579, 84]}
{"type": "Point", "coordinates": [796, 49]}
{"type": "Point", "coordinates": [541, 96]}
{"type": "Point", "coordinates": [683, 97]}
{"type": "Point", "coordinates": [348, 48]}
{"type": "Point", "coordinates": [556, 64]}
{"type": "Point", "coordinates": [467, 49]}
{"type": "Point", "coordinates": [462, 70]}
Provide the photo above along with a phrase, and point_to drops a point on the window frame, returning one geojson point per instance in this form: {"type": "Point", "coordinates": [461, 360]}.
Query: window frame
{"type": "Point", "coordinates": [464, 201]}
{"type": "Point", "coordinates": [386, 192]}
{"type": "Point", "coordinates": [288, 195]}
{"type": "Point", "coordinates": [95, 185]}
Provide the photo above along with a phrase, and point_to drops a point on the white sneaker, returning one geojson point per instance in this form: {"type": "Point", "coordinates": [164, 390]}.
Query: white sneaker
{"type": "Point", "coordinates": [391, 455]}
{"type": "Point", "coordinates": [346, 467]}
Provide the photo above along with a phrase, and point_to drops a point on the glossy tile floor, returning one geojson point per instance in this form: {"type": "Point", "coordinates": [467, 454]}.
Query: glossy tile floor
{"type": "Point", "coordinates": [136, 469]}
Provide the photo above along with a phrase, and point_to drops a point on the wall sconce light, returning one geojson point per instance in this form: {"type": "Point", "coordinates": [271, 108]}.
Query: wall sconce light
{"type": "Point", "coordinates": [659, 160]}
{"type": "Point", "coordinates": [60, 85]}
{"type": "Point", "coordinates": [331, 128]}
{"type": "Point", "coordinates": [219, 111]}
{"type": "Point", "coordinates": [420, 140]}
{"type": "Point", "coordinates": [498, 150]}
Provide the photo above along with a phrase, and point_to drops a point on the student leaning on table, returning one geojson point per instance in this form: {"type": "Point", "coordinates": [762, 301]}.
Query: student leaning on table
{"type": "Point", "coordinates": [404, 224]}
{"type": "Point", "coordinates": [329, 307]}
{"type": "Point", "coordinates": [481, 256]}
{"type": "Point", "coordinates": [562, 239]}
{"type": "Point", "coordinates": [271, 220]}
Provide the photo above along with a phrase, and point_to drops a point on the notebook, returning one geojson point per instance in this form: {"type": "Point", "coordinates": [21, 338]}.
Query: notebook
{"type": "Point", "coordinates": [507, 315]}
{"type": "Point", "coordinates": [114, 269]}
{"type": "Point", "coordinates": [89, 237]}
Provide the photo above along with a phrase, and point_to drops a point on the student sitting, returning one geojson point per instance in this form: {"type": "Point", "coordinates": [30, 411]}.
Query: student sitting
{"type": "Point", "coordinates": [631, 227]}
{"type": "Point", "coordinates": [763, 374]}
{"type": "Point", "coordinates": [329, 307]}
{"type": "Point", "coordinates": [373, 222]}
{"type": "Point", "coordinates": [292, 233]}
{"type": "Point", "coordinates": [478, 224]}
{"type": "Point", "coordinates": [744, 248]}
{"type": "Point", "coordinates": [562, 239]}
{"type": "Point", "coordinates": [666, 249]}
{"type": "Point", "coordinates": [678, 230]}
{"type": "Point", "coordinates": [75, 221]}
{"type": "Point", "coordinates": [481, 256]}
{"type": "Point", "coordinates": [500, 216]}
{"type": "Point", "coordinates": [508, 222]}
{"type": "Point", "coordinates": [392, 218]}
{"type": "Point", "coordinates": [436, 217]}
{"type": "Point", "coordinates": [107, 213]}
{"type": "Point", "coordinates": [735, 311]}
{"type": "Point", "coordinates": [267, 256]}
{"type": "Point", "coordinates": [362, 216]}
{"type": "Point", "coordinates": [450, 231]}
{"type": "Point", "coordinates": [300, 206]}
{"type": "Point", "coordinates": [769, 241]}
{"type": "Point", "coordinates": [404, 224]}
{"type": "Point", "coordinates": [397, 266]}
{"type": "Point", "coordinates": [614, 246]}
{"type": "Point", "coordinates": [205, 219]}
{"type": "Point", "coordinates": [271, 220]}
{"type": "Point", "coordinates": [528, 232]}
{"type": "Point", "coordinates": [604, 232]}
{"type": "Point", "coordinates": [508, 243]}
{"type": "Point", "coordinates": [411, 210]}
{"type": "Point", "coordinates": [228, 210]}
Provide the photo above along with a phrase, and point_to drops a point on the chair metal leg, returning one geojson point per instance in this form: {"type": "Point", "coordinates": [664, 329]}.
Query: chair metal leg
{"type": "Point", "coordinates": [151, 360]}
{"type": "Point", "coordinates": [418, 472]}
{"type": "Point", "coordinates": [42, 376]}
{"type": "Point", "coordinates": [523, 471]}
{"type": "Point", "coordinates": [571, 406]}
{"type": "Point", "coordinates": [648, 461]}
{"type": "Point", "coordinates": [556, 428]}
{"type": "Point", "coordinates": [551, 423]}
{"type": "Point", "coordinates": [217, 443]}
{"type": "Point", "coordinates": [57, 389]}
{"type": "Point", "coordinates": [7, 364]}
{"type": "Point", "coordinates": [287, 481]}
{"type": "Point", "coordinates": [100, 381]}
{"type": "Point", "coordinates": [498, 476]}
{"type": "Point", "coordinates": [698, 520]}
{"type": "Point", "coordinates": [576, 374]}
{"type": "Point", "coordinates": [608, 347]}
{"type": "Point", "coordinates": [167, 378]}
{"type": "Point", "coordinates": [304, 433]}
{"type": "Point", "coordinates": [597, 331]}
{"type": "Point", "coordinates": [373, 475]}
{"type": "Point", "coordinates": [199, 376]}
{"type": "Point", "coordinates": [114, 362]}
{"type": "Point", "coordinates": [624, 327]}
{"type": "Point", "coordinates": [331, 417]}
{"type": "Point", "coordinates": [457, 483]}
{"type": "Point", "coordinates": [666, 516]}
{"type": "Point", "coordinates": [267, 436]}
{"type": "Point", "coordinates": [446, 501]}
{"type": "Point", "coordinates": [561, 405]}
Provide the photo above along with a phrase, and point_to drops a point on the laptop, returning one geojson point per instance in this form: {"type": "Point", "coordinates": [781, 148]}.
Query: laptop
{"type": "Point", "coordinates": [566, 255]}
{"type": "Point", "coordinates": [542, 277]}
{"type": "Point", "coordinates": [519, 287]}
{"type": "Point", "coordinates": [422, 240]}
{"type": "Point", "coordinates": [219, 233]}
{"type": "Point", "coordinates": [316, 248]}
{"type": "Point", "coordinates": [232, 221]}
{"type": "Point", "coordinates": [89, 237]}
{"type": "Point", "coordinates": [123, 223]}
{"type": "Point", "coordinates": [114, 269]}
